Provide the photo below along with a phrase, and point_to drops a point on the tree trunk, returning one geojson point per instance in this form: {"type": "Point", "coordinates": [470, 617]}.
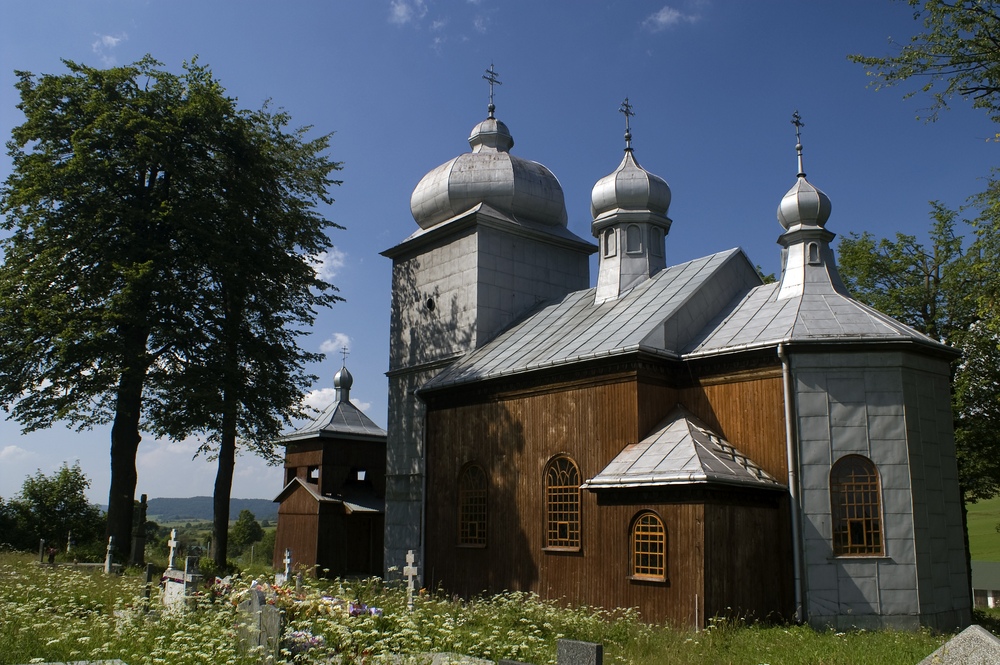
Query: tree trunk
{"type": "Point", "coordinates": [224, 479]}
{"type": "Point", "coordinates": [125, 443]}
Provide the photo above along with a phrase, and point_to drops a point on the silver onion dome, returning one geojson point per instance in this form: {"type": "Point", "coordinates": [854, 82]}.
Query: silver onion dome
{"type": "Point", "coordinates": [803, 204]}
{"type": "Point", "coordinates": [489, 174]}
{"type": "Point", "coordinates": [630, 188]}
{"type": "Point", "coordinates": [343, 380]}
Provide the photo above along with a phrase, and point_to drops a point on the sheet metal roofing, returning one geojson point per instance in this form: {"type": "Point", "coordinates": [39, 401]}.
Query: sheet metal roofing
{"type": "Point", "coordinates": [354, 500]}
{"type": "Point", "coordinates": [761, 319]}
{"type": "Point", "coordinates": [708, 306]}
{"type": "Point", "coordinates": [658, 315]}
{"type": "Point", "coordinates": [341, 420]}
{"type": "Point", "coordinates": [681, 450]}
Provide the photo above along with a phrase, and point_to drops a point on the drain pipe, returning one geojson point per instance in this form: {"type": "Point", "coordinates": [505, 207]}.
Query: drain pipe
{"type": "Point", "coordinates": [793, 482]}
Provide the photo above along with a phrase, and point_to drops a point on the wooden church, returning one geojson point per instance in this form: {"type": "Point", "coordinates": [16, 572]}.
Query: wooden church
{"type": "Point", "coordinates": [332, 507]}
{"type": "Point", "coordinates": [683, 439]}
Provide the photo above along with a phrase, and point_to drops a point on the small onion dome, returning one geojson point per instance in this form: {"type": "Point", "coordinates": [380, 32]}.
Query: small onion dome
{"type": "Point", "coordinates": [489, 174]}
{"type": "Point", "coordinates": [804, 204]}
{"type": "Point", "coordinates": [343, 380]}
{"type": "Point", "coordinates": [630, 187]}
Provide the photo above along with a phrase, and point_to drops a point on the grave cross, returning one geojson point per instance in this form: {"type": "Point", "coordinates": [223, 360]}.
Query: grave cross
{"type": "Point", "coordinates": [173, 548]}
{"type": "Point", "coordinates": [288, 563]}
{"type": "Point", "coordinates": [108, 560]}
{"type": "Point", "coordinates": [410, 573]}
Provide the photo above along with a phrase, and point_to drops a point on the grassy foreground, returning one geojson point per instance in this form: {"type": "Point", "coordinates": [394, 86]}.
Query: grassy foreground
{"type": "Point", "coordinates": [984, 541]}
{"type": "Point", "coordinates": [65, 614]}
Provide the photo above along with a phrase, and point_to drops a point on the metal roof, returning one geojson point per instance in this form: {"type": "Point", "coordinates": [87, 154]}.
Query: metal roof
{"type": "Point", "coordinates": [354, 500]}
{"type": "Point", "coordinates": [760, 319]}
{"type": "Point", "coordinates": [342, 420]}
{"type": "Point", "coordinates": [660, 315]}
{"type": "Point", "coordinates": [681, 450]}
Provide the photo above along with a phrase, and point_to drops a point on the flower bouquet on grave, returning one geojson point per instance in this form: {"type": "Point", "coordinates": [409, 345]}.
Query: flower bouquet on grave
{"type": "Point", "coordinates": [360, 609]}
{"type": "Point", "coordinates": [299, 642]}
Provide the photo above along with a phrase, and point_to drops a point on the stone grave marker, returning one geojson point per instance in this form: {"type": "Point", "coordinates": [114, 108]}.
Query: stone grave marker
{"type": "Point", "coordinates": [261, 624]}
{"type": "Point", "coordinates": [972, 646]}
{"type": "Point", "coordinates": [173, 549]}
{"type": "Point", "coordinates": [572, 652]}
{"type": "Point", "coordinates": [410, 573]}
{"type": "Point", "coordinates": [109, 560]}
{"type": "Point", "coordinates": [280, 579]}
{"type": "Point", "coordinates": [180, 587]}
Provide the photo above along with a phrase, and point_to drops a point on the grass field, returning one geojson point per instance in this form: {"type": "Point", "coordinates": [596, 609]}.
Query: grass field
{"type": "Point", "coordinates": [984, 541]}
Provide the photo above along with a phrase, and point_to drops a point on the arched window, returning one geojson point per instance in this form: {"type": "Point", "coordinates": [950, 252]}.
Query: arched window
{"type": "Point", "coordinates": [472, 506]}
{"type": "Point", "coordinates": [610, 246]}
{"type": "Point", "coordinates": [813, 253]}
{"type": "Point", "coordinates": [648, 547]}
{"type": "Point", "coordinates": [655, 241]}
{"type": "Point", "coordinates": [562, 504]}
{"type": "Point", "coordinates": [633, 239]}
{"type": "Point", "coordinates": [856, 503]}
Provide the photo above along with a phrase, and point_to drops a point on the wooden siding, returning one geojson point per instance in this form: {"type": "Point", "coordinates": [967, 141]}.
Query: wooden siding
{"type": "Point", "coordinates": [750, 414]}
{"type": "Point", "coordinates": [513, 438]}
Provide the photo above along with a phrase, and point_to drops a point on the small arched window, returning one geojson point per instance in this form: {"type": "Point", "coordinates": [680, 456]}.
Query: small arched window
{"type": "Point", "coordinates": [472, 507]}
{"type": "Point", "coordinates": [813, 253]}
{"type": "Point", "coordinates": [562, 504]}
{"type": "Point", "coordinates": [648, 547]}
{"type": "Point", "coordinates": [610, 244]}
{"type": "Point", "coordinates": [856, 504]}
{"type": "Point", "coordinates": [655, 241]}
{"type": "Point", "coordinates": [633, 239]}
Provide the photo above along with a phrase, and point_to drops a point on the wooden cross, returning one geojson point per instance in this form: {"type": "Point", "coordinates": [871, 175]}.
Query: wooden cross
{"type": "Point", "coordinates": [410, 573]}
{"type": "Point", "coordinates": [491, 76]}
{"type": "Point", "coordinates": [173, 548]}
{"type": "Point", "coordinates": [626, 110]}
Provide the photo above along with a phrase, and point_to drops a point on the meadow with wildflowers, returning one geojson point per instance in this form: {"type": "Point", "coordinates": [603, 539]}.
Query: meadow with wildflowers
{"type": "Point", "coordinates": [56, 614]}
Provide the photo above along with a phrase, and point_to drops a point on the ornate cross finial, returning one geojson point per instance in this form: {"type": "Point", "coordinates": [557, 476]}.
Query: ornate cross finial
{"type": "Point", "coordinates": [344, 353]}
{"type": "Point", "coordinates": [626, 109]}
{"type": "Point", "coordinates": [797, 121]}
{"type": "Point", "coordinates": [491, 76]}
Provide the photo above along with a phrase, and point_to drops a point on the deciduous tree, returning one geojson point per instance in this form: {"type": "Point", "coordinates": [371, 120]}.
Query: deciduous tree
{"type": "Point", "coordinates": [131, 193]}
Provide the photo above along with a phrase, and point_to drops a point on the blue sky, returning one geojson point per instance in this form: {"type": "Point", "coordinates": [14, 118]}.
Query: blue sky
{"type": "Point", "coordinates": [713, 84]}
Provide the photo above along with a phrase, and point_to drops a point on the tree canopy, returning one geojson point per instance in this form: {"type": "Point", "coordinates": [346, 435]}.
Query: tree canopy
{"type": "Point", "coordinates": [937, 289]}
{"type": "Point", "coordinates": [956, 53]}
{"type": "Point", "coordinates": [160, 268]}
{"type": "Point", "coordinates": [54, 508]}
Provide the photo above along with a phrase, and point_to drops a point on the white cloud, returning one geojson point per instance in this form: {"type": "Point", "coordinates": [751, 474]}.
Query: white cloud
{"type": "Point", "coordinates": [319, 399]}
{"type": "Point", "coordinates": [364, 406]}
{"type": "Point", "coordinates": [105, 43]}
{"type": "Point", "coordinates": [439, 24]}
{"type": "Point", "coordinates": [15, 454]}
{"type": "Point", "coordinates": [402, 12]}
{"type": "Point", "coordinates": [667, 17]}
{"type": "Point", "coordinates": [336, 343]}
{"type": "Point", "coordinates": [479, 23]}
{"type": "Point", "coordinates": [328, 263]}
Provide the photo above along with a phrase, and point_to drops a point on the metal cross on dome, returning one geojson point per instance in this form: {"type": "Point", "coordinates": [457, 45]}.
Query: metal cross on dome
{"type": "Point", "coordinates": [491, 76]}
{"type": "Point", "coordinates": [797, 121]}
{"type": "Point", "coordinates": [628, 112]}
{"type": "Point", "coordinates": [344, 352]}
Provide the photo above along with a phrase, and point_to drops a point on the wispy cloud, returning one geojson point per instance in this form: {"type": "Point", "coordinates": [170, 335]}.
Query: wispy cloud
{"type": "Point", "coordinates": [668, 17]}
{"type": "Point", "coordinates": [336, 342]}
{"type": "Point", "coordinates": [328, 263]}
{"type": "Point", "coordinates": [14, 453]}
{"type": "Point", "coordinates": [402, 12]}
{"type": "Point", "coordinates": [103, 46]}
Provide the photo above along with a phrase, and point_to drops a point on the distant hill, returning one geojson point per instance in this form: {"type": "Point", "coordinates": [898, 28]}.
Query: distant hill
{"type": "Point", "coordinates": [200, 508]}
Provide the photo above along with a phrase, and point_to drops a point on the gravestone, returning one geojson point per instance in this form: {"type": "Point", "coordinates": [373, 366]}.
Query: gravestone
{"type": "Point", "coordinates": [260, 624]}
{"type": "Point", "coordinates": [410, 573]}
{"type": "Point", "coordinates": [572, 652]}
{"type": "Point", "coordinates": [109, 561]}
{"type": "Point", "coordinates": [181, 587]}
{"type": "Point", "coordinates": [280, 579]}
{"type": "Point", "coordinates": [172, 543]}
{"type": "Point", "coordinates": [972, 646]}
